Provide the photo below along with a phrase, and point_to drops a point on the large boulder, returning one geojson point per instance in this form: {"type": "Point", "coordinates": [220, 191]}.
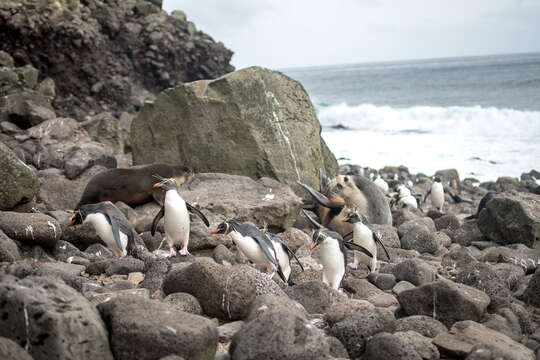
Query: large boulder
{"type": "Point", "coordinates": [512, 218]}
{"type": "Point", "coordinates": [31, 228]}
{"type": "Point", "coordinates": [51, 320]}
{"type": "Point", "coordinates": [18, 182]}
{"type": "Point", "coordinates": [149, 329]}
{"type": "Point", "coordinates": [253, 122]}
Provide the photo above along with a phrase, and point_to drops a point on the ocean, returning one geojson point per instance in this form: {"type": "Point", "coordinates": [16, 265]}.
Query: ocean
{"type": "Point", "coordinates": [479, 115]}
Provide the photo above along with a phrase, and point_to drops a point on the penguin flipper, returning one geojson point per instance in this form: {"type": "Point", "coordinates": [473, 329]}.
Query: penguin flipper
{"type": "Point", "coordinates": [290, 252]}
{"type": "Point", "coordinates": [353, 246]}
{"type": "Point", "coordinates": [158, 217]}
{"type": "Point", "coordinates": [194, 210]}
{"type": "Point", "coordinates": [115, 230]}
{"type": "Point", "coordinates": [378, 240]}
{"type": "Point", "coordinates": [310, 207]}
{"type": "Point", "coordinates": [348, 236]}
{"type": "Point", "coordinates": [425, 197]}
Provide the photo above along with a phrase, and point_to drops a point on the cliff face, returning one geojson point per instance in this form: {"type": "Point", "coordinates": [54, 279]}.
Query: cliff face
{"type": "Point", "coordinates": [107, 55]}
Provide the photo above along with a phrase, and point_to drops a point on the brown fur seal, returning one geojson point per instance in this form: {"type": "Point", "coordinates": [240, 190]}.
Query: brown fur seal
{"type": "Point", "coordinates": [132, 186]}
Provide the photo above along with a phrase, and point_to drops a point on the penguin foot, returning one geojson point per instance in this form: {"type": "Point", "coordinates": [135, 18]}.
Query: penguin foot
{"type": "Point", "coordinates": [270, 276]}
{"type": "Point", "coordinates": [353, 266]}
{"type": "Point", "coordinates": [184, 252]}
{"type": "Point", "coordinates": [172, 253]}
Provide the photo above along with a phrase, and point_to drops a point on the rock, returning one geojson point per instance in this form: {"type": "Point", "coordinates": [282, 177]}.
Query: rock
{"type": "Point", "coordinates": [339, 311]}
{"type": "Point", "coordinates": [106, 129]}
{"type": "Point", "coordinates": [421, 344]}
{"type": "Point", "coordinates": [19, 183]}
{"type": "Point", "coordinates": [157, 330]}
{"type": "Point", "coordinates": [222, 255]}
{"type": "Point", "coordinates": [99, 251]}
{"type": "Point", "coordinates": [280, 135]}
{"type": "Point", "coordinates": [27, 109]}
{"type": "Point", "coordinates": [80, 158]}
{"type": "Point", "coordinates": [9, 252]}
{"type": "Point", "coordinates": [458, 258]}
{"type": "Point", "coordinates": [51, 320]}
{"type": "Point", "coordinates": [501, 324]}
{"type": "Point", "coordinates": [156, 270]}
{"type": "Point", "coordinates": [420, 239]}
{"type": "Point", "coordinates": [382, 281]}
{"type": "Point", "coordinates": [225, 292]}
{"type": "Point", "coordinates": [415, 271]}
{"type": "Point", "coordinates": [464, 335]}
{"type": "Point", "coordinates": [264, 201]}
{"type": "Point", "coordinates": [422, 324]}
{"type": "Point", "coordinates": [278, 335]}
{"type": "Point", "coordinates": [511, 273]}
{"type": "Point", "coordinates": [366, 291]}
{"type": "Point", "coordinates": [5, 59]}
{"type": "Point", "coordinates": [273, 303]}
{"type": "Point", "coordinates": [447, 222]}
{"type": "Point", "coordinates": [405, 214]}
{"type": "Point", "coordinates": [401, 286]}
{"type": "Point", "coordinates": [111, 266]}
{"type": "Point", "coordinates": [409, 225]}
{"type": "Point", "coordinates": [30, 229]}
{"type": "Point", "coordinates": [47, 88]}
{"type": "Point", "coordinates": [227, 331]}
{"type": "Point", "coordinates": [315, 296]}
{"type": "Point", "coordinates": [441, 298]}
{"type": "Point", "coordinates": [531, 294]}
{"type": "Point", "coordinates": [482, 277]}
{"type": "Point", "coordinates": [10, 350]}
{"type": "Point", "coordinates": [388, 235]}
{"type": "Point", "coordinates": [295, 238]}
{"type": "Point", "coordinates": [184, 302]}
{"type": "Point", "coordinates": [385, 346]}
{"type": "Point", "coordinates": [355, 330]}
{"type": "Point", "coordinates": [449, 176]}
{"type": "Point", "coordinates": [98, 298]}
{"type": "Point", "coordinates": [467, 234]}
{"type": "Point", "coordinates": [517, 254]}
{"type": "Point", "coordinates": [512, 218]}
{"type": "Point", "coordinates": [151, 242]}
{"type": "Point", "coordinates": [65, 251]}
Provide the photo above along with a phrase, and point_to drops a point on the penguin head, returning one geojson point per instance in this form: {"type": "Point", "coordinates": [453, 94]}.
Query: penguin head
{"type": "Point", "coordinates": [167, 184]}
{"type": "Point", "coordinates": [437, 179]}
{"type": "Point", "coordinates": [76, 219]}
{"type": "Point", "coordinates": [318, 237]}
{"type": "Point", "coordinates": [80, 214]}
{"type": "Point", "coordinates": [225, 227]}
{"type": "Point", "coordinates": [355, 216]}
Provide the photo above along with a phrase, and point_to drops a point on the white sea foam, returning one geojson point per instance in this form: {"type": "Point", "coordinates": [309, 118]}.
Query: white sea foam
{"type": "Point", "coordinates": [482, 142]}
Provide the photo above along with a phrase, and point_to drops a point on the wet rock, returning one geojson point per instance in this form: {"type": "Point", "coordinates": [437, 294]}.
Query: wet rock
{"type": "Point", "coordinates": [482, 277]}
{"type": "Point", "coordinates": [465, 335]}
{"type": "Point", "coordinates": [51, 320]}
{"type": "Point", "coordinates": [30, 229]}
{"type": "Point", "coordinates": [355, 330]}
{"type": "Point", "coordinates": [184, 302]}
{"type": "Point", "coordinates": [215, 285]}
{"type": "Point", "coordinates": [18, 182]}
{"type": "Point", "coordinates": [512, 218]}
{"type": "Point", "coordinates": [278, 335]}
{"type": "Point", "coordinates": [111, 266]}
{"type": "Point", "coordinates": [10, 350]}
{"type": "Point", "coordinates": [422, 324]}
{"type": "Point", "coordinates": [155, 331]}
{"type": "Point", "coordinates": [421, 344]}
{"type": "Point", "coordinates": [272, 303]}
{"type": "Point", "coordinates": [9, 252]}
{"type": "Point", "coordinates": [385, 346]}
{"type": "Point", "coordinates": [441, 298]}
{"type": "Point", "coordinates": [295, 156]}
{"type": "Point", "coordinates": [415, 271]}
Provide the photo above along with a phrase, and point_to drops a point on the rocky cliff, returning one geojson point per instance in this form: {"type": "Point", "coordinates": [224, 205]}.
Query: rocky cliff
{"type": "Point", "coordinates": [107, 55]}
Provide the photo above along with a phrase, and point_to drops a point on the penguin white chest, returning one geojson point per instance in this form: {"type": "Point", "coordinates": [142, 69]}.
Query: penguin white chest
{"type": "Point", "coordinates": [251, 248]}
{"type": "Point", "coordinates": [363, 236]}
{"type": "Point", "coordinates": [176, 219]}
{"type": "Point", "coordinates": [383, 185]}
{"type": "Point", "coordinates": [333, 262]}
{"type": "Point", "coordinates": [283, 259]}
{"type": "Point", "coordinates": [437, 195]}
{"type": "Point", "coordinates": [104, 231]}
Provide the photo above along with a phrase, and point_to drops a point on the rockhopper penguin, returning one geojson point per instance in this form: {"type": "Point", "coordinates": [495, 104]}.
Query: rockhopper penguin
{"type": "Point", "coordinates": [110, 225]}
{"type": "Point", "coordinates": [254, 244]}
{"type": "Point", "coordinates": [284, 255]}
{"type": "Point", "coordinates": [437, 194]}
{"type": "Point", "coordinates": [176, 218]}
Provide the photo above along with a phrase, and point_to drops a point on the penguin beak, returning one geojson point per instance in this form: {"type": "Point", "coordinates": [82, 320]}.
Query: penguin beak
{"type": "Point", "coordinates": [345, 219]}
{"type": "Point", "coordinates": [214, 231]}
{"type": "Point", "coordinates": [158, 185]}
{"type": "Point", "coordinates": [312, 246]}
{"type": "Point", "coordinates": [70, 223]}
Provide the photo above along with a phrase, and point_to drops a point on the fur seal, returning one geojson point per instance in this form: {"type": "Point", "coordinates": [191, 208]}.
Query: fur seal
{"type": "Point", "coordinates": [133, 186]}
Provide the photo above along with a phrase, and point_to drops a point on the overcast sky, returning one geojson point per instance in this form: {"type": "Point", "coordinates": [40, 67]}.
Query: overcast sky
{"type": "Point", "coordinates": [279, 34]}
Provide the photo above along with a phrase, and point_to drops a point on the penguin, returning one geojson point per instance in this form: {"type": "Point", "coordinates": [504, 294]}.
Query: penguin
{"type": "Point", "coordinates": [381, 184]}
{"type": "Point", "coordinates": [175, 211]}
{"type": "Point", "coordinates": [405, 198]}
{"type": "Point", "coordinates": [333, 254]}
{"type": "Point", "coordinates": [437, 194]}
{"type": "Point", "coordinates": [254, 244]}
{"type": "Point", "coordinates": [483, 202]}
{"type": "Point", "coordinates": [110, 224]}
{"type": "Point", "coordinates": [284, 255]}
{"type": "Point", "coordinates": [364, 236]}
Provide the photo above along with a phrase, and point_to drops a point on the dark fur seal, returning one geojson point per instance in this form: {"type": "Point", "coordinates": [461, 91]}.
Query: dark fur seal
{"type": "Point", "coordinates": [132, 186]}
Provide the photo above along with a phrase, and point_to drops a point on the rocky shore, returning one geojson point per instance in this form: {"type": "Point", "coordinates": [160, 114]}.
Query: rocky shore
{"type": "Point", "coordinates": [453, 288]}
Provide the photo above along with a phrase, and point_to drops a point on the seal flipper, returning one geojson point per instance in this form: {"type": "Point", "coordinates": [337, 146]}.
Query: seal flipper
{"type": "Point", "coordinates": [115, 230]}
{"type": "Point", "coordinates": [158, 217]}
{"type": "Point", "coordinates": [194, 210]}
